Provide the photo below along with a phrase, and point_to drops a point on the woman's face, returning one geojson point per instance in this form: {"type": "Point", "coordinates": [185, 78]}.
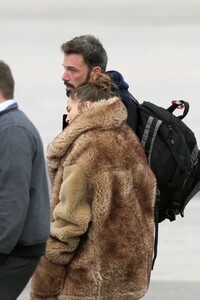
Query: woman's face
{"type": "Point", "coordinates": [72, 110]}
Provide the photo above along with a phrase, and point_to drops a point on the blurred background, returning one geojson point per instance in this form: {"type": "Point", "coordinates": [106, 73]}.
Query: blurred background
{"type": "Point", "coordinates": [156, 46]}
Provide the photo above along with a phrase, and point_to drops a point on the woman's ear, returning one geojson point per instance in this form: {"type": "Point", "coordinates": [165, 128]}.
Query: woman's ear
{"type": "Point", "coordinates": [87, 104]}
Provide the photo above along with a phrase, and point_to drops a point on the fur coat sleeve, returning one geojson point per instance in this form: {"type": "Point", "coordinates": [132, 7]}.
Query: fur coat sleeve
{"type": "Point", "coordinates": [71, 216]}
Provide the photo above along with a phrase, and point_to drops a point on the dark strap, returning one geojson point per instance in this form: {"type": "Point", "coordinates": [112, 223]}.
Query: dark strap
{"type": "Point", "coordinates": [3, 258]}
{"type": "Point", "coordinates": [177, 104]}
{"type": "Point", "coordinates": [156, 222]}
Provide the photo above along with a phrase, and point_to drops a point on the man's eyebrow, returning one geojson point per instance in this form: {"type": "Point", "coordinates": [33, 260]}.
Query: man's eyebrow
{"type": "Point", "coordinates": [70, 67]}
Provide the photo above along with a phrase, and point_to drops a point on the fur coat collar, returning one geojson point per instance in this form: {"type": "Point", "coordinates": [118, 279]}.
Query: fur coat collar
{"type": "Point", "coordinates": [104, 115]}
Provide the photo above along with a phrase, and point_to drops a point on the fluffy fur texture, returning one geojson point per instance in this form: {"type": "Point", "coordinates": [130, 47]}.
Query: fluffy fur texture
{"type": "Point", "coordinates": [103, 196]}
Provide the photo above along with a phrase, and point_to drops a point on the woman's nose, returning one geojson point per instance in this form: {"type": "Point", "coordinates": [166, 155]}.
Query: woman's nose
{"type": "Point", "coordinates": [67, 120]}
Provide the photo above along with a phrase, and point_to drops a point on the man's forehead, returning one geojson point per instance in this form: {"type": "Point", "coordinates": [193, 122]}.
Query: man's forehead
{"type": "Point", "coordinates": [73, 59]}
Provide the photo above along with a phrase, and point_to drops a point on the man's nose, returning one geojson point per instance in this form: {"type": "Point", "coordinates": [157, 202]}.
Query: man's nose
{"type": "Point", "coordinates": [65, 76]}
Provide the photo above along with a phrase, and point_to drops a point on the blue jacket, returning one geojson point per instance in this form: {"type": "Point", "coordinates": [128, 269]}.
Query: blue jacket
{"type": "Point", "coordinates": [24, 195]}
{"type": "Point", "coordinates": [129, 101]}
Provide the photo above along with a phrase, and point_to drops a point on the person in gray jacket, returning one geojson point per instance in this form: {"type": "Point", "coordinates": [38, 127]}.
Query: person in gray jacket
{"type": "Point", "coordinates": [24, 194]}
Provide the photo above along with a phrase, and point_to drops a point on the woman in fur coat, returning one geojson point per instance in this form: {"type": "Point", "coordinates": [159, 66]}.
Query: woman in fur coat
{"type": "Point", "coordinates": [102, 204]}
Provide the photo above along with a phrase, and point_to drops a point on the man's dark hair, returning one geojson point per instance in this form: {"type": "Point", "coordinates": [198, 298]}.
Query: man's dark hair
{"type": "Point", "coordinates": [90, 48]}
{"type": "Point", "coordinates": [7, 82]}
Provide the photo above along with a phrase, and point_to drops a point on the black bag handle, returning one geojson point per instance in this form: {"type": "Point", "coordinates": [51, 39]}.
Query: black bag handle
{"type": "Point", "coordinates": [178, 103]}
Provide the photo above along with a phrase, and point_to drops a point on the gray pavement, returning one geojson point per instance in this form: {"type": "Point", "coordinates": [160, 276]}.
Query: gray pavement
{"type": "Point", "coordinates": [166, 290]}
{"type": "Point", "coordinates": [156, 46]}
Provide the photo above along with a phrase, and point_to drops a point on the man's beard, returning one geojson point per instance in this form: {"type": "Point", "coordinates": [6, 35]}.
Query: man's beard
{"type": "Point", "coordinates": [73, 87]}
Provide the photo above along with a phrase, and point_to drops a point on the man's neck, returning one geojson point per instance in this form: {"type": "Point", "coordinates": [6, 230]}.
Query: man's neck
{"type": "Point", "coordinates": [5, 104]}
{"type": "Point", "coordinates": [2, 99]}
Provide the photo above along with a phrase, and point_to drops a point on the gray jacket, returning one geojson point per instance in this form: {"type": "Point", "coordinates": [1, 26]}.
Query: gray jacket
{"type": "Point", "coordinates": [24, 195]}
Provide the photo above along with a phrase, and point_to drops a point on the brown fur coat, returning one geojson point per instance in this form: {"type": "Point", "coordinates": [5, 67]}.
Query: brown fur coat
{"type": "Point", "coordinates": [102, 205]}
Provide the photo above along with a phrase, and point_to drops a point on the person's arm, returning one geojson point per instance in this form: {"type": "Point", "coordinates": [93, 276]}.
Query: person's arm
{"type": "Point", "coordinates": [16, 155]}
{"type": "Point", "coordinates": [71, 216]}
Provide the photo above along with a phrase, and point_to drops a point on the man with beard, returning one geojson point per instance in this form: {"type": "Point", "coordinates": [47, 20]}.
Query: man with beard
{"type": "Point", "coordinates": [85, 55]}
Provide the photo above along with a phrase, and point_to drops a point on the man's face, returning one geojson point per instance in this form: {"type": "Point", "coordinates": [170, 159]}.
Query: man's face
{"type": "Point", "coordinates": [76, 72]}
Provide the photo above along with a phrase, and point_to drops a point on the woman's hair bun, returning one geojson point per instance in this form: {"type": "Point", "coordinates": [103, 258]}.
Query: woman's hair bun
{"type": "Point", "coordinates": [100, 81]}
{"type": "Point", "coordinates": [99, 86]}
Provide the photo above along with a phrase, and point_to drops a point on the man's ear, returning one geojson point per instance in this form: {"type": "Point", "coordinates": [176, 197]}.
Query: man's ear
{"type": "Point", "coordinates": [96, 69]}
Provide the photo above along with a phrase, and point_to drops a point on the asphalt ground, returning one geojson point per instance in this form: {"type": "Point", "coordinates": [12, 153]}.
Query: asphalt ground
{"type": "Point", "coordinates": [165, 290]}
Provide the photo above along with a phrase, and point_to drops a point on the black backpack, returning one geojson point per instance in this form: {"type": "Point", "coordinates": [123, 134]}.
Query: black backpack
{"type": "Point", "coordinates": [173, 155]}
